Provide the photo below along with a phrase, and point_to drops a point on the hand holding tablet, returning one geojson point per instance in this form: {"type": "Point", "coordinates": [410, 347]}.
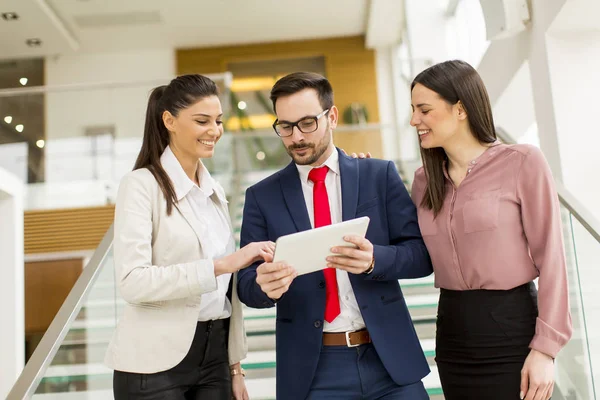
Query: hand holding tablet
{"type": "Point", "coordinates": [307, 251]}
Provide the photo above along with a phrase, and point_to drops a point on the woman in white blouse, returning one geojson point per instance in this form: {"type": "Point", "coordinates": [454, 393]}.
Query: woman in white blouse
{"type": "Point", "coordinates": [181, 335]}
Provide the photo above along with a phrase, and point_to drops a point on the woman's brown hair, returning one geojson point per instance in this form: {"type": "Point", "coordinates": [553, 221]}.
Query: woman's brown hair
{"type": "Point", "coordinates": [454, 81]}
{"type": "Point", "coordinates": [179, 94]}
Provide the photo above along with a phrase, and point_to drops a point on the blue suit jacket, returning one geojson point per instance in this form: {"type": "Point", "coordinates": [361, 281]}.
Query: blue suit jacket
{"type": "Point", "coordinates": [275, 207]}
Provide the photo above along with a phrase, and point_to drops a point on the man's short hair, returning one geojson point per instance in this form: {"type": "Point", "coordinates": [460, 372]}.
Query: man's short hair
{"type": "Point", "coordinates": [298, 81]}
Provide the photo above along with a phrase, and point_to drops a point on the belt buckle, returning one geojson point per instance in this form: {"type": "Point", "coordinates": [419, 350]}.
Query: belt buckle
{"type": "Point", "coordinates": [348, 340]}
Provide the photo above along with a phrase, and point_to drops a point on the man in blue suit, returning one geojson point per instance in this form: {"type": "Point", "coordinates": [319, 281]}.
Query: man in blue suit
{"type": "Point", "coordinates": [344, 332]}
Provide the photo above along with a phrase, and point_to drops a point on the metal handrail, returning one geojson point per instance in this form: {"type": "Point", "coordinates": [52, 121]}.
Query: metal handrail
{"type": "Point", "coordinates": [37, 365]}
{"type": "Point", "coordinates": [567, 199]}
{"type": "Point", "coordinates": [226, 77]}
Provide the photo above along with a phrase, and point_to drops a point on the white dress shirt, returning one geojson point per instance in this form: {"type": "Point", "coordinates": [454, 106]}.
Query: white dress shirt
{"type": "Point", "coordinates": [350, 318]}
{"type": "Point", "coordinates": [216, 238]}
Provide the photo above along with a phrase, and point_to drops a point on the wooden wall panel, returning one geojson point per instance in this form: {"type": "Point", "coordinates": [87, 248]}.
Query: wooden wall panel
{"type": "Point", "coordinates": [47, 285]}
{"type": "Point", "coordinates": [350, 69]}
{"type": "Point", "coordinates": [64, 230]}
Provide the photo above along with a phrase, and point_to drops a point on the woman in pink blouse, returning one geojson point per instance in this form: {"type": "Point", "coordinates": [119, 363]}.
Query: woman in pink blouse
{"type": "Point", "coordinates": [489, 215]}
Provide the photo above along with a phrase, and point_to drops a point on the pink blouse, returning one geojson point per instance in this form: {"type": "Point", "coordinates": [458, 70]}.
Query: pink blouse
{"type": "Point", "coordinates": [499, 229]}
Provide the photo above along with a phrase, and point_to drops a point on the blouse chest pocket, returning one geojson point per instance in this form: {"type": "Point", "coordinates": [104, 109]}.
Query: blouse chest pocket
{"type": "Point", "coordinates": [480, 212]}
{"type": "Point", "coordinates": [427, 223]}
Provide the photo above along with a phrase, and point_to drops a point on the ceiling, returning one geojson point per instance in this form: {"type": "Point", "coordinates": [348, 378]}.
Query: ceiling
{"type": "Point", "coordinates": [89, 26]}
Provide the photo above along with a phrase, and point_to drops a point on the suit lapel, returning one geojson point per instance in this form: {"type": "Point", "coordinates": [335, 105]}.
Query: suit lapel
{"type": "Point", "coordinates": [294, 198]}
{"type": "Point", "coordinates": [349, 180]}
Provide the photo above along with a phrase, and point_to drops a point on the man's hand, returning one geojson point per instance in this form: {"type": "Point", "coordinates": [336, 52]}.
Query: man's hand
{"type": "Point", "coordinates": [275, 279]}
{"type": "Point", "coordinates": [354, 261]}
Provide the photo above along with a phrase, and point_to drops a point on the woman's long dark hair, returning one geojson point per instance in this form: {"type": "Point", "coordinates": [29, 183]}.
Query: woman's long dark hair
{"type": "Point", "coordinates": [454, 81]}
{"type": "Point", "coordinates": [179, 94]}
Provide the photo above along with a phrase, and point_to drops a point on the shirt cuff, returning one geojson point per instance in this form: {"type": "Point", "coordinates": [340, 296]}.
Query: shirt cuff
{"type": "Point", "coordinates": [547, 340]}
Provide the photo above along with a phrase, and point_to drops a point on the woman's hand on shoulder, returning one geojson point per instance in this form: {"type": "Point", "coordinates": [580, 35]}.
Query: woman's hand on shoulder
{"type": "Point", "coordinates": [359, 155]}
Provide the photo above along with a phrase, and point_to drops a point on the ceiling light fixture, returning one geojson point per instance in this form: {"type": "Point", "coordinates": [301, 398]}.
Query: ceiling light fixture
{"type": "Point", "coordinates": [19, 128]}
{"type": "Point", "coordinates": [8, 119]}
{"type": "Point", "coordinates": [10, 16]}
{"type": "Point", "coordinates": [242, 105]}
{"type": "Point", "coordinates": [35, 42]}
{"type": "Point", "coordinates": [23, 81]}
{"type": "Point", "coordinates": [40, 143]}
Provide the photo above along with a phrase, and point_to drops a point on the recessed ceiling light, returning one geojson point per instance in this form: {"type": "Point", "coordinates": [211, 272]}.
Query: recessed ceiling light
{"type": "Point", "coordinates": [8, 119]}
{"type": "Point", "coordinates": [10, 16]}
{"type": "Point", "coordinates": [19, 128]}
{"type": "Point", "coordinates": [40, 143]}
{"type": "Point", "coordinates": [33, 42]}
{"type": "Point", "coordinates": [23, 81]}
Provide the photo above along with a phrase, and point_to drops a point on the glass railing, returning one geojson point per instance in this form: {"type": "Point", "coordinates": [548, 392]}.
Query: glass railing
{"type": "Point", "coordinates": [578, 364]}
{"type": "Point", "coordinates": [73, 143]}
{"type": "Point", "coordinates": [76, 336]}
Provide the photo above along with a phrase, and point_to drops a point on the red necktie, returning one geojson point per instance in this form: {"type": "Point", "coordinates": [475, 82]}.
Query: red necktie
{"type": "Point", "coordinates": [323, 218]}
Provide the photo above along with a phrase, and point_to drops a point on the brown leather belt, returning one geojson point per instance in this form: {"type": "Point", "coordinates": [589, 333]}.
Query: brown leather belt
{"type": "Point", "coordinates": [350, 339]}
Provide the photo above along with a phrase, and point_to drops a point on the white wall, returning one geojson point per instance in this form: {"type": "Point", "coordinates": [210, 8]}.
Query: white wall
{"type": "Point", "coordinates": [465, 33]}
{"type": "Point", "coordinates": [69, 154]}
{"type": "Point", "coordinates": [514, 111]}
{"type": "Point", "coordinates": [12, 284]}
{"type": "Point", "coordinates": [13, 158]}
{"type": "Point", "coordinates": [574, 60]}
{"type": "Point", "coordinates": [386, 94]}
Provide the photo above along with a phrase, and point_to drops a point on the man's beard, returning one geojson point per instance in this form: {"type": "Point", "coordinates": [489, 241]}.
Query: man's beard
{"type": "Point", "coordinates": [317, 150]}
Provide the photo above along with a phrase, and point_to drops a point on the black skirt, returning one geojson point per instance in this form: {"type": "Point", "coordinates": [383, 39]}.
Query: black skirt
{"type": "Point", "coordinates": [482, 341]}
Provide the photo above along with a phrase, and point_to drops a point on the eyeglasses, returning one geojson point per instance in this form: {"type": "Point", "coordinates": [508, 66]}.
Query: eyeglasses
{"type": "Point", "coordinates": [305, 125]}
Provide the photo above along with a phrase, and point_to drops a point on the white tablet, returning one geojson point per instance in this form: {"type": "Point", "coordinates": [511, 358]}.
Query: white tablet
{"type": "Point", "coordinates": [307, 251]}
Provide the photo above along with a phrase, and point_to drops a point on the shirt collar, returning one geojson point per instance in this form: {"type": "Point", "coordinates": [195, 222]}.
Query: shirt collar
{"type": "Point", "coordinates": [182, 183]}
{"type": "Point", "coordinates": [333, 162]}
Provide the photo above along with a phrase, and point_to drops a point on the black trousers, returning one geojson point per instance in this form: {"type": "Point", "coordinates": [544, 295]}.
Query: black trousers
{"type": "Point", "coordinates": [202, 375]}
{"type": "Point", "coordinates": [482, 341]}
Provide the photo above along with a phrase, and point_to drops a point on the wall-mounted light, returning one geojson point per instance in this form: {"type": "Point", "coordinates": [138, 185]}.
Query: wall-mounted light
{"type": "Point", "coordinates": [40, 143]}
{"type": "Point", "coordinates": [8, 119]}
{"type": "Point", "coordinates": [242, 105]}
{"type": "Point", "coordinates": [33, 42]}
{"type": "Point", "coordinates": [10, 16]}
{"type": "Point", "coordinates": [23, 81]}
{"type": "Point", "coordinates": [19, 128]}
